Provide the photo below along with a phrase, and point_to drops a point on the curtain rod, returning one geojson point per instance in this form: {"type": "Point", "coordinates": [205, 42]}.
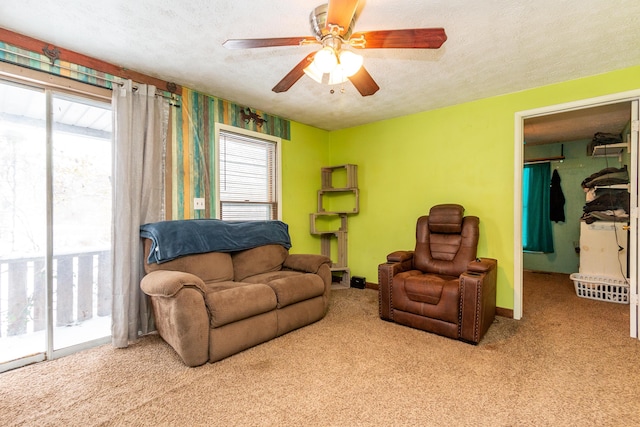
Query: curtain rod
{"type": "Point", "coordinates": [544, 160]}
{"type": "Point", "coordinates": [119, 82]}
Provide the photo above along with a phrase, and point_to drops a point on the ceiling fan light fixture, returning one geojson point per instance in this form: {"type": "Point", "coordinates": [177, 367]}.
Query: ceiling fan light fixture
{"type": "Point", "coordinates": [350, 62]}
{"type": "Point", "coordinates": [325, 59]}
{"type": "Point", "coordinates": [337, 76]}
{"type": "Point", "coordinates": [332, 69]}
{"type": "Point", "coordinates": [313, 72]}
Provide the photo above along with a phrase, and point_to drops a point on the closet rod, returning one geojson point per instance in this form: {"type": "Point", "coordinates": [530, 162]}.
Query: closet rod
{"type": "Point", "coordinates": [547, 159]}
{"type": "Point", "coordinates": [543, 160]}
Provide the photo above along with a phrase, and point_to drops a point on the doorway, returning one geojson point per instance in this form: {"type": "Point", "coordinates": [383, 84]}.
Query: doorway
{"type": "Point", "coordinates": [55, 223]}
{"type": "Point", "coordinates": [556, 118]}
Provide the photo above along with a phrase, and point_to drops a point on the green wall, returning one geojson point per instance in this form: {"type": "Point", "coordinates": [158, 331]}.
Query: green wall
{"type": "Point", "coordinates": [302, 158]}
{"type": "Point", "coordinates": [464, 154]}
{"type": "Point", "coordinates": [576, 166]}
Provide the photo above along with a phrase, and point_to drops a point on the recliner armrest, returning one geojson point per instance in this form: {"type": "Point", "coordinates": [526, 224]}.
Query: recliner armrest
{"type": "Point", "coordinates": [167, 283]}
{"type": "Point", "coordinates": [399, 256]}
{"type": "Point", "coordinates": [482, 265]}
{"type": "Point", "coordinates": [477, 299]}
{"type": "Point", "coordinates": [397, 262]}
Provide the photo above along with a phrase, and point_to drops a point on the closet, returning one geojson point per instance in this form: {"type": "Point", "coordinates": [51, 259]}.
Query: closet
{"type": "Point", "coordinates": [604, 236]}
{"type": "Point", "coordinates": [592, 241]}
{"type": "Point", "coordinates": [574, 124]}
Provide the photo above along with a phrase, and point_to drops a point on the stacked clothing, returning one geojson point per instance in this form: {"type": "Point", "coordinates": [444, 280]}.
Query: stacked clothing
{"type": "Point", "coordinates": [602, 138]}
{"type": "Point", "coordinates": [607, 176]}
{"type": "Point", "coordinates": [606, 204]}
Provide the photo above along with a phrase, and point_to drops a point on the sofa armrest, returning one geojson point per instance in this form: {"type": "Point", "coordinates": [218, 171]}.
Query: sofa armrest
{"type": "Point", "coordinates": [314, 264]}
{"type": "Point", "coordinates": [308, 263]}
{"type": "Point", "coordinates": [180, 313]}
{"type": "Point", "coordinates": [167, 283]}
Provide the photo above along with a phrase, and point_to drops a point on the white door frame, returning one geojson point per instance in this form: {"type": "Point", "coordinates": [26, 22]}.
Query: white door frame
{"type": "Point", "coordinates": [634, 321]}
{"type": "Point", "coordinates": [517, 190]}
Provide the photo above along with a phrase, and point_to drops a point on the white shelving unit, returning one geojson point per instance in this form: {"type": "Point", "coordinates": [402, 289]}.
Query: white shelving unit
{"type": "Point", "coordinates": [611, 150]}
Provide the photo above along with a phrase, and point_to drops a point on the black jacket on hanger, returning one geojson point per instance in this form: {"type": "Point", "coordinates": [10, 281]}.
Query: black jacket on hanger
{"type": "Point", "coordinates": [556, 202]}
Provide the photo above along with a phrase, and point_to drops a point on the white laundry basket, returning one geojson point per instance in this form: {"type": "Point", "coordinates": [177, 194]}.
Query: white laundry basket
{"type": "Point", "coordinates": [601, 288]}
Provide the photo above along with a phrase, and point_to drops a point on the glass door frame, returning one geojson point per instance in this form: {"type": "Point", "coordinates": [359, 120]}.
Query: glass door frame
{"type": "Point", "coordinates": [51, 85]}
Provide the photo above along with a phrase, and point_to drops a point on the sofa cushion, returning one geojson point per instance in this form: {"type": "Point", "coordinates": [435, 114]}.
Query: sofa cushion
{"type": "Point", "coordinates": [210, 266]}
{"type": "Point", "coordinates": [295, 288]}
{"type": "Point", "coordinates": [271, 275]}
{"type": "Point", "coordinates": [258, 260]}
{"type": "Point", "coordinates": [232, 301]}
{"type": "Point", "coordinates": [305, 262]}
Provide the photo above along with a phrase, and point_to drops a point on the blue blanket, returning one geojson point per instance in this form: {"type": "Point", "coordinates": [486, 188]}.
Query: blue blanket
{"type": "Point", "coordinates": [172, 239]}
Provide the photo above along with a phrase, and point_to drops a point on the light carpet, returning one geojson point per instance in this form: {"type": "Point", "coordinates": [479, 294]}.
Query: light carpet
{"type": "Point", "coordinates": [568, 362]}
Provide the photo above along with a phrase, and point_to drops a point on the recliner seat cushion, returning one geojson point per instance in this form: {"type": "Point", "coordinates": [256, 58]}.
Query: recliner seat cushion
{"type": "Point", "coordinates": [293, 289]}
{"type": "Point", "coordinates": [270, 276]}
{"type": "Point", "coordinates": [429, 295]}
{"type": "Point", "coordinates": [239, 301]}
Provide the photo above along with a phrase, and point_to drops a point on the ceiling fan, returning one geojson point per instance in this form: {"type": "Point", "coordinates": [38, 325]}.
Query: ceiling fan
{"type": "Point", "coordinates": [332, 25]}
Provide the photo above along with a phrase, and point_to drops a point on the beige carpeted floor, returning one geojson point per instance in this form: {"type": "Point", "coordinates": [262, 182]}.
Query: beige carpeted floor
{"type": "Point", "coordinates": [568, 362]}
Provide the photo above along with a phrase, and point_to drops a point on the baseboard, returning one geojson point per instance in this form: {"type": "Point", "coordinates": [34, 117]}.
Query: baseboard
{"type": "Point", "coordinates": [504, 312]}
{"type": "Point", "coordinates": [369, 285]}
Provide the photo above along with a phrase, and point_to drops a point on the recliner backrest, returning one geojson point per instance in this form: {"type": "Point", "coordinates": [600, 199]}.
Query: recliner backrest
{"type": "Point", "coordinates": [446, 240]}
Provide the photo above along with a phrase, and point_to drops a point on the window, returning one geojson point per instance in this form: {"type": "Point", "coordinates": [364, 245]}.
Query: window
{"type": "Point", "coordinates": [248, 184]}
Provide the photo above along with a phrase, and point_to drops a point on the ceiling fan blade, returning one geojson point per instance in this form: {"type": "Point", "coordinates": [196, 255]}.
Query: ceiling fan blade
{"type": "Point", "coordinates": [294, 75]}
{"type": "Point", "coordinates": [340, 12]}
{"type": "Point", "coordinates": [417, 38]}
{"type": "Point", "coordinates": [283, 41]}
{"type": "Point", "coordinates": [363, 81]}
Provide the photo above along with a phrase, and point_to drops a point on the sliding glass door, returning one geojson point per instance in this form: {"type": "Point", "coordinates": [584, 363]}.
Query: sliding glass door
{"type": "Point", "coordinates": [22, 222]}
{"type": "Point", "coordinates": [55, 223]}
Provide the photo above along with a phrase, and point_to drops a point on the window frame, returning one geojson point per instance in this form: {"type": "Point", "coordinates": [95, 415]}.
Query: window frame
{"type": "Point", "coordinates": [221, 127]}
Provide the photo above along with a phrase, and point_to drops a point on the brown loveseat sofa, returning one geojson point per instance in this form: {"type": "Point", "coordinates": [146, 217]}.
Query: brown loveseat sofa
{"type": "Point", "coordinates": [211, 305]}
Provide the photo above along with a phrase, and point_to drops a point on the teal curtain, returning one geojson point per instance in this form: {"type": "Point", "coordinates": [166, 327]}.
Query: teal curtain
{"type": "Point", "coordinates": [537, 234]}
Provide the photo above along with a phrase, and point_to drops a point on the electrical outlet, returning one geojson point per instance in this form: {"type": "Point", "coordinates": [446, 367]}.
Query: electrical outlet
{"type": "Point", "coordinates": [198, 204]}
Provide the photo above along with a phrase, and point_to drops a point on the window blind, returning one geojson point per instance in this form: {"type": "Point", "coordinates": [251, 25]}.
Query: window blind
{"type": "Point", "coordinates": [247, 183]}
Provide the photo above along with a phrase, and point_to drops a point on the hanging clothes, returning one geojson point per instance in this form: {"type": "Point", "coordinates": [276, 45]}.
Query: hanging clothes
{"type": "Point", "coordinates": [556, 205]}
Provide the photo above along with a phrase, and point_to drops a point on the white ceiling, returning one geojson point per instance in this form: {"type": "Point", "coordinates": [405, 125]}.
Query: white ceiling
{"type": "Point", "coordinates": [577, 125]}
{"type": "Point", "coordinates": [494, 47]}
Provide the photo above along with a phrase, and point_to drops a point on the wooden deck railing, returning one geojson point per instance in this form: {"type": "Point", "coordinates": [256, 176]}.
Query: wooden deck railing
{"type": "Point", "coordinates": [82, 285]}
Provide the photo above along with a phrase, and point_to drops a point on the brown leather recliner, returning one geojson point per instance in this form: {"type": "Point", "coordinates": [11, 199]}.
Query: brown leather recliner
{"type": "Point", "coordinates": [441, 287]}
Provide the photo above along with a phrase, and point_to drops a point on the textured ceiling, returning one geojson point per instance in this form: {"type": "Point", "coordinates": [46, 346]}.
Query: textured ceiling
{"type": "Point", "coordinates": [494, 47]}
{"type": "Point", "coordinates": [577, 125]}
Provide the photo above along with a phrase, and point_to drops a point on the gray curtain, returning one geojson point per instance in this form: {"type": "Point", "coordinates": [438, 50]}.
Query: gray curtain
{"type": "Point", "coordinates": [140, 133]}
